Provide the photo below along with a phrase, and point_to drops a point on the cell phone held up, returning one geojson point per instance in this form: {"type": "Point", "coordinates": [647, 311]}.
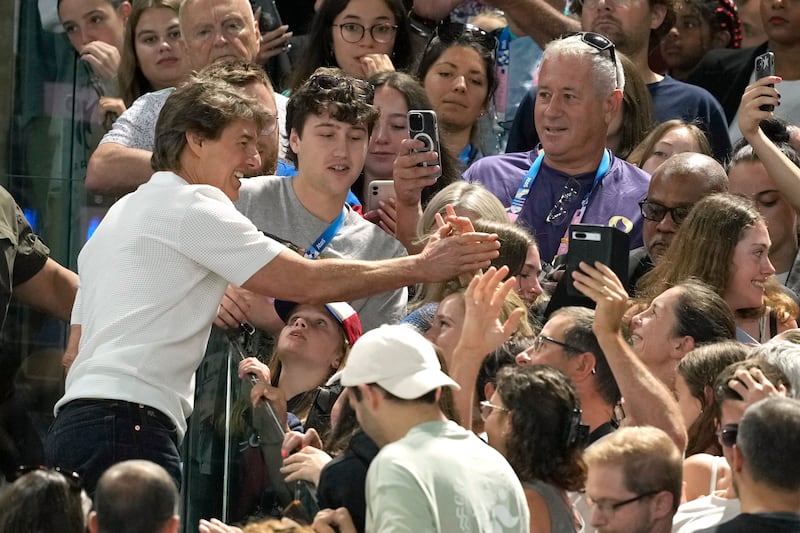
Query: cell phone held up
{"type": "Point", "coordinates": [422, 126]}
{"type": "Point", "coordinates": [269, 19]}
{"type": "Point", "coordinates": [765, 66]}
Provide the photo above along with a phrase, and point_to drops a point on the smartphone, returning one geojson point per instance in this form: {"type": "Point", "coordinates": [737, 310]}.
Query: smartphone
{"type": "Point", "coordinates": [270, 19]}
{"type": "Point", "coordinates": [379, 191]}
{"type": "Point", "coordinates": [765, 66]}
{"type": "Point", "coordinates": [422, 125]}
{"type": "Point", "coordinates": [589, 243]}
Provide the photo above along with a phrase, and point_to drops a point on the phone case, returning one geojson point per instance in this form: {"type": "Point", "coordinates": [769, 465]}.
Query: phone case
{"type": "Point", "coordinates": [422, 125]}
{"type": "Point", "coordinates": [379, 191]}
{"type": "Point", "coordinates": [765, 66]}
{"type": "Point", "coordinates": [270, 17]}
{"type": "Point", "coordinates": [589, 243]}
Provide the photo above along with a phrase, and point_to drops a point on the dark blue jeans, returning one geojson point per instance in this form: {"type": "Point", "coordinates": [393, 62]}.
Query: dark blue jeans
{"type": "Point", "coordinates": [88, 436]}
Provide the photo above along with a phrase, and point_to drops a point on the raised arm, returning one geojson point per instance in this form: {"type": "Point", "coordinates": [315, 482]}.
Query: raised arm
{"type": "Point", "coordinates": [648, 401]}
{"type": "Point", "coordinates": [541, 20]}
{"type": "Point", "coordinates": [779, 167]}
{"type": "Point", "coordinates": [481, 334]}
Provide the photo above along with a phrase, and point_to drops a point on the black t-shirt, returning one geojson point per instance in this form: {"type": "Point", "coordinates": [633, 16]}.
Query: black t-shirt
{"type": "Point", "coordinates": [759, 523]}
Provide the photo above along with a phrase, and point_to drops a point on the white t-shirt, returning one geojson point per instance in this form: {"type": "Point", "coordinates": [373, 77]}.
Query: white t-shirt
{"type": "Point", "coordinates": [151, 280]}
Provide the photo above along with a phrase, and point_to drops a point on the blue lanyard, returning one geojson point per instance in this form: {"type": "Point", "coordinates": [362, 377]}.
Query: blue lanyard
{"type": "Point", "coordinates": [326, 237]}
{"type": "Point", "coordinates": [525, 188]}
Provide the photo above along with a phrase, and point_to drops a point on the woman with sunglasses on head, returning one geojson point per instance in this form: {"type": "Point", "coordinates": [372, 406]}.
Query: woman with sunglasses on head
{"type": "Point", "coordinates": [362, 37]}
{"type": "Point", "coordinates": [457, 70]}
{"type": "Point", "coordinates": [534, 419]}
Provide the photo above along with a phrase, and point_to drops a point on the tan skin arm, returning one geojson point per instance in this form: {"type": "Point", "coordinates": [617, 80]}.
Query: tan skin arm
{"type": "Point", "coordinates": [51, 290]}
{"type": "Point", "coordinates": [71, 351]}
{"type": "Point", "coordinates": [650, 402]}
{"type": "Point", "coordinates": [409, 180]}
{"type": "Point", "coordinates": [115, 169]}
{"type": "Point", "coordinates": [541, 20]}
{"type": "Point", "coordinates": [481, 334]}
{"type": "Point", "coordinates": [291, 277]}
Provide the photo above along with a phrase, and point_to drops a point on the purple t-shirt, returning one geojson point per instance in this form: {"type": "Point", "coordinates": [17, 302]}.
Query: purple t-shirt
{"type": "Point", "coordinates": [614, 202]}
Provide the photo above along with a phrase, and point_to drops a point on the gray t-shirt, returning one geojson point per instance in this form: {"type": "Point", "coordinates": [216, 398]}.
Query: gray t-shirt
{"type": "Point", "coordinates": [272, 205]}
{"type": "Point", "coordinates": [440, 477]}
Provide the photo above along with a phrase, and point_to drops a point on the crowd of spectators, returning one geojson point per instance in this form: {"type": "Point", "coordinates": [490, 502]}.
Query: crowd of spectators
{"type": "Point", "coordinates": [451, 358]}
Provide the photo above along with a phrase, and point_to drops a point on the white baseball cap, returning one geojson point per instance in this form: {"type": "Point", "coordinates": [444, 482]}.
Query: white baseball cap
{"type": "Point", "coordinates": [398, 359]}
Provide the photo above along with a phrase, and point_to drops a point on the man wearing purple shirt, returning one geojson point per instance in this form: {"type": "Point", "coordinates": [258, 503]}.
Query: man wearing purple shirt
{"type": "Point", "coordinates": [580, 92]}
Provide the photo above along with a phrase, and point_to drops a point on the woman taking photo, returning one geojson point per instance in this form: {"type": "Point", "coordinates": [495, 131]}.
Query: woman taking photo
{"type": "Point", "coordinates": [458, 72]}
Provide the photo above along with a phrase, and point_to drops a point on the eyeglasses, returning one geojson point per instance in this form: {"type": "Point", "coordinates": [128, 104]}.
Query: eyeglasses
{"type": "Point", "coordinates": [539, 341]}
{"type": "Point", "coordinates": [487, 407]}
{"type": "Point", "coordinates": [601, 43]}
{"type": "Point", "coordinates": [73, 478]}
{"type": "Point", "coordinates": [727, 435]}
{"type": "Point", "coordinates": [270, 124]}
{"type": "Point", "coordinates": [352, 87]}
{"type": "Point", "coordinates": [451, 32]}
{"type": "Point", "coordinates": [353, 32]}
{"type": "Point", "coordinates": [607, 507]}
{"type": "Point", "coordinates": [656, 212]}
{"type": "Point", "coordinates": [559, 212]}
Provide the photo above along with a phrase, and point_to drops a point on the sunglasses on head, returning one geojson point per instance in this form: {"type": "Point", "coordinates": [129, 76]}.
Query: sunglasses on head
{"type": "Point", "coordinates": [354, 87]}
{"type": "Point", "coordinates": [727, 435]}
{"type": "Point", "coordinates": [451, 32]}
{"type": "Point", "coordinates": [73, 478]}
{"type": "Point", "coordinates": [599, 42]}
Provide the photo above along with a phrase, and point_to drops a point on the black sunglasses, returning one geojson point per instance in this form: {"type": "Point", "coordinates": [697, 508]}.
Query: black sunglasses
{"type": "Point", "coordinates": [353, 87]}
{"type": "Point", "coordinates": [73, 478]}
{"type": "Point", "coordinates": [599, 42]}
{"type": "Point", "coordinates": [451, 32]}
{"type": "Point", "coordinates": [727, 435]}
{"type": "Point", "coordinates": [656, 212]}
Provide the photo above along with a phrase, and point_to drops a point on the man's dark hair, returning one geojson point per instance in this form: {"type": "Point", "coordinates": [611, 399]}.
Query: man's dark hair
{"type": "Point", "coordinates": [580, 335]}
{"type": "Point", "coordinates": [330, 90]}
{"type": "Point", "coordinates": [723, 391]}
{"type": "Point", "coordinates": [135, 497]}
{"type": "Point", "coordinates": [703, 314]}
{"type": "Point", "coordinates": [769, 439]}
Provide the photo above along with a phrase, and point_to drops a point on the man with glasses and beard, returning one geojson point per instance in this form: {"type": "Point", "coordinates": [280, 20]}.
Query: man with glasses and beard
{"type": "Point", "coordinates": [572, 177]}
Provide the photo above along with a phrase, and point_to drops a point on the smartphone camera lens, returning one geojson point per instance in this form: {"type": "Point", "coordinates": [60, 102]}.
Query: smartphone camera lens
{"type": "Point", "coordinates": [415, 122]}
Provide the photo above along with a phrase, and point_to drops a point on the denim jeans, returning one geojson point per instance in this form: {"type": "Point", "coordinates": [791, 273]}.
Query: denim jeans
{"type": "Point", "coordinates": [88, 436]}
